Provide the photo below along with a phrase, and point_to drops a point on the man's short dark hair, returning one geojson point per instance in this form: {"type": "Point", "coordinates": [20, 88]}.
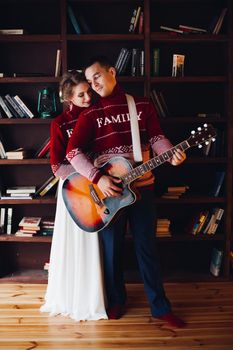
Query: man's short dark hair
{"type": "Point", "coordinates": [102, 60]}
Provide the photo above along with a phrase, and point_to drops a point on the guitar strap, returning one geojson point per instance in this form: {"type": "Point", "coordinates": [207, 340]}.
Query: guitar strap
{"type": "Point", "coordinates": [137, 152]}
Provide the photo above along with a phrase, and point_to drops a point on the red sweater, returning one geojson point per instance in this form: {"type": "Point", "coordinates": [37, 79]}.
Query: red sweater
{"type": "Point", "coordinates": [60, 132]}
{"type": "Point", "coordinates": [106, 132]}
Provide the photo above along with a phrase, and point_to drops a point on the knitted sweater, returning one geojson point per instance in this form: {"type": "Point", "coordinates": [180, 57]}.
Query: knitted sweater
{"type": "Point", "coordinates": [60, 132]}
{"type": "Point", "coordinates": [103, 131]}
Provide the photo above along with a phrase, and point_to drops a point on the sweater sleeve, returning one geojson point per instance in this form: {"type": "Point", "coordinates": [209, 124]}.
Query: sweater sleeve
{"type": "Point", "coordinates": [78, 146]}
{"type": "Point", "coordinates": [158, 141]}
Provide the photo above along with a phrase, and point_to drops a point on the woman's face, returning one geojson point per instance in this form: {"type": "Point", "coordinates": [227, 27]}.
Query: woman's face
{"type": "Point", "coordinates": [81, 95]}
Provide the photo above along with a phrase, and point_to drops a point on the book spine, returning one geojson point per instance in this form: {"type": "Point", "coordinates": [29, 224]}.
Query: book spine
{"type": "Point", "coordinates": [74, 20]}
{"type": "Point", "coordinates": [2, 220]}
{"type": "Point", "coordinates": [14, 105]}
{"type": "Point", "coordinates": [131, 26]}
{"type": "Point", "coordinates": [5, 108]}
{"type": "Point", "coordinates": [9, 221]}
{"type": "Point", "coordinates": [155, 61]}
{"type": "Point", "coordinates": [58, 63]}
{"type": "Point", "coordinates": [25, 108]}
{"type": "Point", "coordinates": [49, 186]}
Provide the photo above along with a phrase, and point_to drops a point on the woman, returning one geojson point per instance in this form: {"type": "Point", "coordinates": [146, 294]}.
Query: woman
{"type": "Point", "coordinates": [75, 286]}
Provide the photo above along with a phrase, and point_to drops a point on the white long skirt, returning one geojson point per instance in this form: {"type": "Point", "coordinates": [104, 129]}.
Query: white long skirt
{"type": "Point", "coordinates": [75, 281]}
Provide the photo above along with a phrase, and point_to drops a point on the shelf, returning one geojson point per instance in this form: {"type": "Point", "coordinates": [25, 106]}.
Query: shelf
{"type": "Point", "coordinates": [24, 161]}
{"type": "Point", "coordinates": [28, 121]}
{"type": "Point", "coordinates": [31, 38]}
{"type": "Point", "coordinates": [193, 119]}
{"type": "Point", "coordinates": [31, 80]}
{"type": "Point", "coordinates": [26, 276]}
{"type": "Point", "coordinates": [105, 37]}
{"type": "Point", "coordinates": [48, 200]}
{"type": "Point", "coordinates": [190, 79]}
{"type": "Point", "coordinates": [191, 200]}
{"type": "Point", "coordinates": [35, 239]}
{"type": "Point", "coordinates": [189, 38]}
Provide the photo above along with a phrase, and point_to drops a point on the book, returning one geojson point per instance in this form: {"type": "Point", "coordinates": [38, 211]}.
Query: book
{"type": "Point", "coordinates": [192, 29]}
{"type": "Point", "coordinates": [219, 22]}
{"type": "Point", "coordinates": [14, 105]}
{"type": "Point", "coordinates": [30, 221]}
{"type": "Point", "coordinates": [5, 108]}
{"type": "Point", "coordinates": [178, 65]}
{"type": "Point", "coordinates": [12, 31]}
{"type": "Point", "coordinates": [2, 151]}
{"type": "Point", "coordinates": [46, 186]}
{"type": "Point", "coordinates": [132, 20]}
{"type": "Point", "coordinates": [141, 23]}
{"type": "Point", "coordinates": [136, 22]}
{"type": "Point", "coordinates": [18, 153]}
{"type": "Point", "coordinates": [155, 61]}
{"type": "Point", "coordinates": [73, 20]}
{"type": "Point", "coordinates": [24, 107]}
{"type": "Point", "coordinates": [216, 261]}
{"type": "Point", "coordinates": [2, 220]}
{"type": "Point", "coordinates": [43, 149]}
{"type": "Point", "coordinates": [170, 29]}
{"type": "Point", "coordinates": [58, 64]}
{"type": "Point", "coordinates": [218, 183]}
{"type": "Point", "coordinates": [21, 189]}
{"type": "Point", "coordinates": [9, 221]}
{"type": "Point", "coordinates": [216, 223]}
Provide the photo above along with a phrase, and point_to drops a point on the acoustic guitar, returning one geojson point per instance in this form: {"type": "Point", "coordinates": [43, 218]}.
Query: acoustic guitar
{"type": "Point", "coordinates": [88, 206]}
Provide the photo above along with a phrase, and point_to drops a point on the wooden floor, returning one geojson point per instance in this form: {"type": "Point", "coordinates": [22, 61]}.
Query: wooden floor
{"type": "Point", "coordinates": [206, 307]}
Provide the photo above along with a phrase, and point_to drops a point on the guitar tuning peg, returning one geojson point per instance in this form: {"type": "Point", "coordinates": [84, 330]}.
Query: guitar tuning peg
{"type": "Point", "coordinates": [193, 132]}
{"type": "Point", "coordinates": [199, 146]}
{"type": "Point", "coordinates": [205, 125]}
{"type": "Point", "coordinates": [206, 143]}
{"type": "Point", "coordinates": [199, 128]}
{"type": "Point", "coordinates": [213, 139]}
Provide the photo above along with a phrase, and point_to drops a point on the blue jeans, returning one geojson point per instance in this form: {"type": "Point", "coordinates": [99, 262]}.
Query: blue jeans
{"type": "Point", "coordinates": [141, 216]}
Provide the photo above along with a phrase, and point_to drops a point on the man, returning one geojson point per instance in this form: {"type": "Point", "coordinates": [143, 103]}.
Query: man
{"type": "Point", "coordinates": [105, 133]}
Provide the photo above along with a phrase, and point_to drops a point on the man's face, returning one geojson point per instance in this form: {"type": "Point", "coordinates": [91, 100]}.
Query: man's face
{"type": "Point", "coordinates": [101, 79]}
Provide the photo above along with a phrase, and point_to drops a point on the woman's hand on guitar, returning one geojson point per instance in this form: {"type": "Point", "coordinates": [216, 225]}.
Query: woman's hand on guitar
{"type": "Point", "coordinates": [178, 157]}
{"type": "Point", "coordinates": [108, 185]}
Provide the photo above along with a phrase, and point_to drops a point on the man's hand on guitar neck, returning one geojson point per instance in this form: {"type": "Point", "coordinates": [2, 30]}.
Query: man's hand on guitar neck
{"type": "Point", "coordinates": [108, 185]}
{"type": "Point", "coordinates": [178, 157]}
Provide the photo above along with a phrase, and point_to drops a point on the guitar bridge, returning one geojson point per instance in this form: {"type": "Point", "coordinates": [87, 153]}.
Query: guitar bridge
{"type": "Point", "coordinates": [95, 197]}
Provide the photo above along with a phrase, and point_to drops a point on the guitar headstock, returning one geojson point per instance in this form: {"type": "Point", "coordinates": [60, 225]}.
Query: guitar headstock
{"type": "Point", "coordinates": [203, 135]}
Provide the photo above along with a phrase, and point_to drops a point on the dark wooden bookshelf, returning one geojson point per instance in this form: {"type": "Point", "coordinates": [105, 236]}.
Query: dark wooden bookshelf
{"type": "Point", "coordinates": [206, 86]}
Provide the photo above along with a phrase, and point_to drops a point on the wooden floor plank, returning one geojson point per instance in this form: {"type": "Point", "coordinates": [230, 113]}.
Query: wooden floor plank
{"type": "Point", "coordinates": [206, 307]}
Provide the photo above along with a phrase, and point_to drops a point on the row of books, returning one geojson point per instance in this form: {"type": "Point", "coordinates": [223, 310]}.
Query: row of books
{"type": "Point", "coordinates": [213, 28]}
{"type": "Point", "coordinates": [163, 227]}
{"type": "Point", "coordinates": [22, 153]}
{"type": "Point", "coordinates": [205, 222]}
{"type": "Point", "coordinates": [130, 60]}
{"type": "Point", "coordinates": [160, 104]}
{"type": "Point", "coordinates": [14, 107]}
{"type": "Point", "coordinates": [81, 26]}
{"type": "Point", "coordinates": [30, 192]}
{"type": "Point", "coordinates": [215, 187]}
{"type": "Point", "coordinates": [30, 226]}
{"type": "Point", "coordinates": [6, 220]}
{"type": "Point", "coordinates": [175, 192]}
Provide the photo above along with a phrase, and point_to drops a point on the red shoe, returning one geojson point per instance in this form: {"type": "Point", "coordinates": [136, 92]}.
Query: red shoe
{"type": "Point", "coordinates": [172, 320]}
{"type": "Point", "coordinates": [115, 312]}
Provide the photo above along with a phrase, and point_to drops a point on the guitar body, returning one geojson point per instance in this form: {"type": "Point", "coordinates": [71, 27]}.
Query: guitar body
{"type": "Point", "coordinates": [87, 205]}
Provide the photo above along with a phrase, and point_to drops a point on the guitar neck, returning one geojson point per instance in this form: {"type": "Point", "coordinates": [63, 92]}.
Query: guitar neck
{"type": "Point", "coordinates": [153, 163]}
